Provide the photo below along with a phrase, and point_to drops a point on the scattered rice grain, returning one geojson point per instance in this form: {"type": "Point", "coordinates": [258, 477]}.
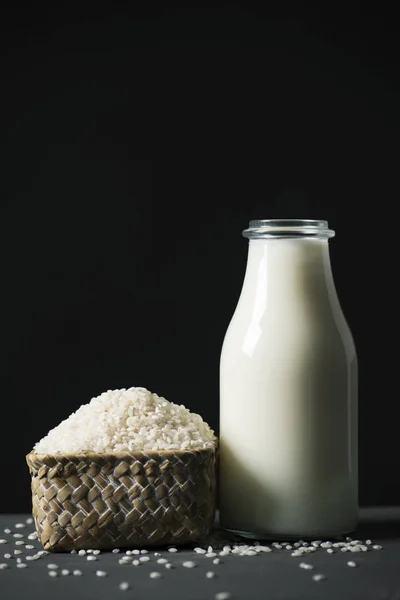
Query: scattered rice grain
{"type": "Point", "coordinates": [305, 566]}
{"type": "Point", "coordinates": [351, 563]}
{"type": "Point", "coordinates": [263, 549]}
{"type": "Point", "coordinates": [144, 558]}
{"type": "Point", "coordinates": [124, 585]}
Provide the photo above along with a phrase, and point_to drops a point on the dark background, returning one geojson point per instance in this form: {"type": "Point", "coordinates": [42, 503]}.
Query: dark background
{"type": "Point", "coordinates": [136, 146]}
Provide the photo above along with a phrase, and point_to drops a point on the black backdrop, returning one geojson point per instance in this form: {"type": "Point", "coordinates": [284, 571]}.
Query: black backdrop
{"type": "Point", "coordinates": [135, 148]}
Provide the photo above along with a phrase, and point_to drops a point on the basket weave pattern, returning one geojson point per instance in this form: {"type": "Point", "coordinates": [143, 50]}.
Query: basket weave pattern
{"type": "Point", "coordinates": [122, 499]}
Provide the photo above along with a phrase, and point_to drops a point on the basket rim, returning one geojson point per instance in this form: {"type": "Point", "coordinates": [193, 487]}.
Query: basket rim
{"type": "Point", "coordinates": [122, 454]}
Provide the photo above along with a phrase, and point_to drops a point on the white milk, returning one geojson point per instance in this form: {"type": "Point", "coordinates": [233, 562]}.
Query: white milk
{"type": "Point", "coordinates": [288, 393]}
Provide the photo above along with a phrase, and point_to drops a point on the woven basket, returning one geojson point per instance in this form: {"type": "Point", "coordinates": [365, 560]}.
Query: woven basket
{"type": "Point", "coordinates": [123, 499]}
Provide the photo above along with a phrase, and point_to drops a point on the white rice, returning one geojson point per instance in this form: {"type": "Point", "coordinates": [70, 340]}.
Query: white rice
{"type": "Point", "coordinates": [127, 420]}
{"type": "Point", "coordinates": [124, 585]}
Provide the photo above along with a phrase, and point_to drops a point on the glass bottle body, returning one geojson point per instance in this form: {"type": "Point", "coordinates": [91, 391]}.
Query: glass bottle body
{"type": "Point", "coordinates": [288, 393]}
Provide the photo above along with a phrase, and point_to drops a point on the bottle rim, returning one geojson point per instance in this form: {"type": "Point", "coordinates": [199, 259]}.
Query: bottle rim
{"type": "Point", "coordinates": [288, 228]}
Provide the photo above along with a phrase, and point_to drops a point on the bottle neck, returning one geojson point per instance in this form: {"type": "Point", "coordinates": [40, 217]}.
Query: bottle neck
{"type": "Point", "coordinates": [289, 267]}
{"type": "Point", "coordinates": [293, 254]}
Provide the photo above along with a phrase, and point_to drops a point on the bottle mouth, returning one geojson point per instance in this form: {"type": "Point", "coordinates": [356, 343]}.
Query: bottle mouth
{"type": "Point", "coordinates": [288, 228]}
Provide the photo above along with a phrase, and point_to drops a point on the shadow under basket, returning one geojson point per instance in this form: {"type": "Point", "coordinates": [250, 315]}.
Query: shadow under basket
{"type": "Point", "coordinates": [123, 499]}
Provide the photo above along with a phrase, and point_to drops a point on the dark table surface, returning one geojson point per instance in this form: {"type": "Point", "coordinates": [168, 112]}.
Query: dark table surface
{"type": "Point", "coordinates": [274, 575]}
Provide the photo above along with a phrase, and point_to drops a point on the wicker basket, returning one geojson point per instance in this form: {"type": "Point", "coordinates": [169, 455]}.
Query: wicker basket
{"type": "Point", "coordinates": [123, 499]}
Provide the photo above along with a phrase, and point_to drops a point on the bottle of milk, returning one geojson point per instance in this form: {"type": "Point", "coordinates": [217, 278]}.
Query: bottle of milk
{"type": "Point", "coordinates": [288, 392]}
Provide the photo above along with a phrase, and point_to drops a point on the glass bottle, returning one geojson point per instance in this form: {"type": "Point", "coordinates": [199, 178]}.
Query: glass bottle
{"type": "Point", "coordinates": [288, 392]}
